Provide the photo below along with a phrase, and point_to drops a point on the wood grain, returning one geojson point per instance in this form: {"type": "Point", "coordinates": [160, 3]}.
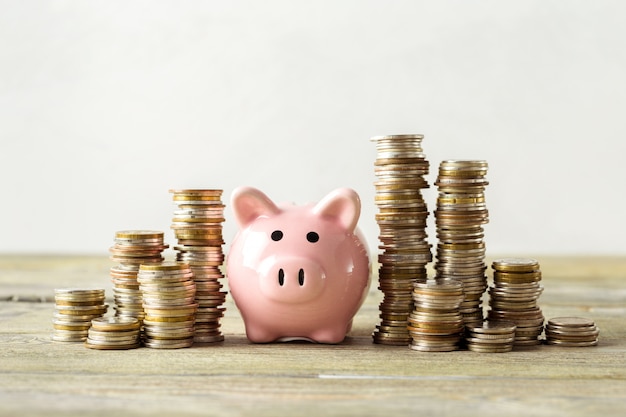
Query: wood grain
{"type": "Point", "coordinates": [356, 377]}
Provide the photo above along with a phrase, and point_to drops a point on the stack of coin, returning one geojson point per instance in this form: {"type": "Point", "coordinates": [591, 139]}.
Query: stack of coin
{"type": "Point", "coordinates": [436, 324]}
{"type": "Point", "coordinates": [197, 224]}
{"type": "Point", "coordinates": [400, 168]}
{"type": "Point", "coordinates": [114, 333]}
{"type": "Point", "coordinates": [460, 215]}
{"type": "Point", "coordinates": [168, 293]}
{"type": "Point", "coordinates": [131, 249]}
{"type": "Point", "coordinates": [491, 337]}
{"type": "Point", "coordinates": [74, 310]}
{"type": "Point", "coordinates": [572, 332]}
{"type": "Point", "coordinates": [514, 298]}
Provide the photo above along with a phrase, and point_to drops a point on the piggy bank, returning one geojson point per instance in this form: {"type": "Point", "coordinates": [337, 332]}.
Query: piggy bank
{"type": "Point", "coordinates": [297, 272]}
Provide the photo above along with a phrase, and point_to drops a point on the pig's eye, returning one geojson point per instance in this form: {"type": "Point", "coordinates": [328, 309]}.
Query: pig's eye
{"type": "Point", "coordinates": [277, 235]}
{"type": "Point", "coordinates": [312, 237]}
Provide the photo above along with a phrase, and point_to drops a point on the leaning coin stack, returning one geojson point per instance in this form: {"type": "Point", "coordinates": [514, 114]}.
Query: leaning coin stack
{"type": "Point", "coordinates": [114, 333]}
{"type": "Point", "coordinates": [74, 310]}
{"type": "Point", "coordinates": [460, 215]}
{"type": "Point", "coordinates": [168, 294]}
{"type": "Point", "coordinates": [197, 224]}
{"type": "Point", "coordinates": [514, 298]}
{"type": "Point", "coordinates": [132, 248]}
{"type": "Point", "coordinates": [491, 337]}
{"type": "Point", "coordinates": [572, 332]}
{"type": "Point", "coordinates": [400, 168]}
{"type": "Point", "coordinates": [436, 324]}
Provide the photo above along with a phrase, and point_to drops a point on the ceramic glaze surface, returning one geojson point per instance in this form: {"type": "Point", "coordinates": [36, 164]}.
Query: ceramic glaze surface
{"type": "Point", "coordinates": [297, 272]}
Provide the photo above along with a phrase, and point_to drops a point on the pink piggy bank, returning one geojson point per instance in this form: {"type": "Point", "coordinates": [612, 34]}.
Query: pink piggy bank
{"type": "Point", "coordinates": [297, 272]}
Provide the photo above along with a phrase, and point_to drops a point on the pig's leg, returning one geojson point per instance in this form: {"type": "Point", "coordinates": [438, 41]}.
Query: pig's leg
{"type": "Point", "coordinates": [258, 334]}
{"type": "Point", "coordinates": [332, 335]}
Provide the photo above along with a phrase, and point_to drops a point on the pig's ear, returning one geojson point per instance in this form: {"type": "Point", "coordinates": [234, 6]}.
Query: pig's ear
{"type": "Point", "coordinates": [343, 204]}
{"type": "Point", "coordinates": [249, 204]}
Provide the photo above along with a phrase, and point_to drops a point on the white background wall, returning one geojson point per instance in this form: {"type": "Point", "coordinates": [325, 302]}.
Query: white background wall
{"type": "Point", "coordinates": [106, 105]}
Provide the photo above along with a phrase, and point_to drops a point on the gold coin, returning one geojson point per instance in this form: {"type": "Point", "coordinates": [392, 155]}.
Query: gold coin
{"type": "Point", "coordinates": [78, 293]}
{"type": "Point", "coordinates": [515, 265]}
{"type": "Point", "coordinates": [164, 266]}
{"type": "Point", "coordinates": [139, 234]}
{"type": "Point", "coordinates": [169, 324]}
{"type": "Point", "coordinates": [81, 310]}
{"type": "Point", "coordinates": [94, 302]}
{"type": "Point", "coordinates": [197, 191]}
{"type": "Point", "coordinates": [80, 326]}
{"type": "Point", "coordinates": [196, 197]}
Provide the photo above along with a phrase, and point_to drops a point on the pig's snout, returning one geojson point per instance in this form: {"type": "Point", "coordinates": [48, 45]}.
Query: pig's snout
{"type": "Point", "coordinates": [291, 280]}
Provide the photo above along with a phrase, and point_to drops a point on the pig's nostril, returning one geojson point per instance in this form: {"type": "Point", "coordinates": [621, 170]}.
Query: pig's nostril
{"type": "Point", "coordinates": [301, 277]}
{"type": "Point", "coordinates": [281, 277]}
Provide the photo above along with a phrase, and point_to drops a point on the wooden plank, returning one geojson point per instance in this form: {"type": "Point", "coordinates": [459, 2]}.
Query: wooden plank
{"type": "Point", "coordinates": [355, 377]}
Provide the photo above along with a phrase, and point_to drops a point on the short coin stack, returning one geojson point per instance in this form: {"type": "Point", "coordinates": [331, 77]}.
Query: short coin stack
{"type": "Point", "coordinates": [400, 167]}
{"type": "Point", "coordinates": [436, 324]}
{"type": "Point", "coordinates": [490, 337]}
{"type": "Point", "coordinates": [460, 215]}
{"type": "Point", "coordinates": [168, 293]}
{"type": "Point", "coordinates": [131, 249]}
{"type": "Point", "coordinates": [514, 298]}
{"type": "Point", "coordinates": [114, 333]}
{"type": "Point", "coordinates": [75, 308]}
{"type": "Point", "coordinates": [197, 224]}
{"type": "Point", "coordinates": [572, 332]}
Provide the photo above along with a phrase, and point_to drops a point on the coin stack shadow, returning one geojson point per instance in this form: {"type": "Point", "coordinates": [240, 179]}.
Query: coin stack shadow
{"type": "Point", "coordinates": [400, 167]}
{"type": "Point", "coordinates": [197, 224]}
{"type": "Point", "coordinates": [514, 296]}
{"type": "Point", "coordinates": [436, 324]}
{"type": "Point", "coordinates": [133, 248]}
{"type": "Point", "coordinates": [74, 310]}
{"type": "Point", "coordinates": [168, 293]}
{"type": "Point", "coordinates": [460, 215]}
{"type": "Point", "coordinates": [572, 332]}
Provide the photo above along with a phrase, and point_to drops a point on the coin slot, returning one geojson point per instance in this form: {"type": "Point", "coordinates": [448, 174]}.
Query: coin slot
{"type": "Point", "coordinates": [301, 277]}
{"type": "Point", "coordinates": [281, 277]}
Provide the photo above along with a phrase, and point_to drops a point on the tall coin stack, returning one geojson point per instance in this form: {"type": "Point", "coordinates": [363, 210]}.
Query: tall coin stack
{"type": "Point", "coordinates": [436, 324]}
{"type": "Point", "coordinates": [460, 215]}
{"type": "Point", "coordinates": [514, 298]}
{"type": "Point", "coordinates": [168, 293]}
{"type": "Point", "coordinates": [133, 248]}
{"type": "Point", "coordinates": [197, 224]}
{"type": "Point", "coordinates": [400, 167]}
{"type": "Point", "coordinates": [74, 310]}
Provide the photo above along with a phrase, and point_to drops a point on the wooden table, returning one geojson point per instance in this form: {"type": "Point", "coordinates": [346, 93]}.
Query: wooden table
{"type": "Point", "coordinates": [355, 377]}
